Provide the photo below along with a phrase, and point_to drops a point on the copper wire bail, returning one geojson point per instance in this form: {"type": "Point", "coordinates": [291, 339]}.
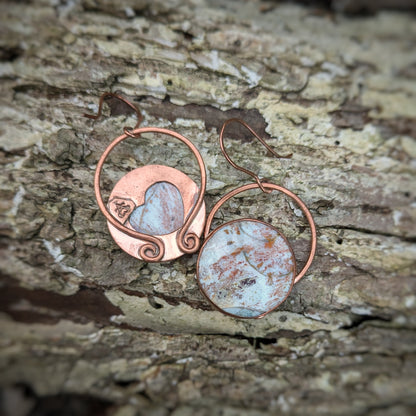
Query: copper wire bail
{"type": "Point", "coordinates": [266, 187]}
{"type": "Point", "coordinates": [153, 251]}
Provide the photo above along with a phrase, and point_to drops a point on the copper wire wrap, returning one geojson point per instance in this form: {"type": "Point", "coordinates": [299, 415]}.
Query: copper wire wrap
{"type": "Point", "coordinates": [153, 251]}
{"type": "Point", "coordinates": [271, 187]}
{"type": "Point", "coordinates": [265, 187]}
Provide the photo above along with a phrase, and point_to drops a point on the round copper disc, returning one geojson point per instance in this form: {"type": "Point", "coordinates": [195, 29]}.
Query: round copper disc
{"type": "Point", "coordinates": [154, 200]}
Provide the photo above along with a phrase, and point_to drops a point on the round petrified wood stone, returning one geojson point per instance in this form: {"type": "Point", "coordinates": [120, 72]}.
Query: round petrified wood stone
{"type": "Point", "coordinates": [246, 268]}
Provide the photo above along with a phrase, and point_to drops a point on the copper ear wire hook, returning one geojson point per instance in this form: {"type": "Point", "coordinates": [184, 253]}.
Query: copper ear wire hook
{"type": "Point", "coordinates": [240, 168]}
{"type": "Point", "coordinates": [127, 130]}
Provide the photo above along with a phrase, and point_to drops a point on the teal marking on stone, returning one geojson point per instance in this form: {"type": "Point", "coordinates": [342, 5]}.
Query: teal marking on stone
{"type": "Point", "coordinates": [162, 213]}
{"type": "Point", "coordinates": [246, 268]}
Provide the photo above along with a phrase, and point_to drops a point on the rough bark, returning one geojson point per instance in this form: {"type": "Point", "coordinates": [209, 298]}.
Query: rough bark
{"type": "Point", "coordinates": [88, 329]}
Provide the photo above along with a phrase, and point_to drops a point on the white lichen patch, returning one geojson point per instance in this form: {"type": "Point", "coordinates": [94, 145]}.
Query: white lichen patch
{"type": "Point", "coordinates": [388, 254]}
{"type": "Point", "coordinates": [334, 70]}
{"type": "Point", "coordinates": [189, 123]}
{"type": "Point", "coordinates": [351, 377]}
{"type": "Point", "coordinates": [17, 200]}
{"type": "Point", "coordinates": [251, 75]}
{"type": "Point", "coordinates": [360, 142]}
{"type": "Point", "coordinates": [410, 301]}
{"type": "Point", "coordinates": [142, 82]}
{"type": "Point", "coordinates": [409, 146]}
{"type": "Point", "coordinates": [120, 48]}
{"type": "Point", "coordinates": [55, 252]}
{"type": "Point", "coordinates": [362, 310]}
{"type": "Point", "coordinates": [14, 138]}
{"type": "Point", "coordinates": [321, 125]}
{"type": "Point", "coordinates": [212, 61]}
{"type": "Point", "coordinates": [321, 87]}
{"type": "Point", "coordinates": [185, 319]}
{"type": "Point", "coordinates": [394, 104]}
{"type": "Point", "coordinates": [323, 382]}
{"type": "Point", "coordinates": [397, 216]}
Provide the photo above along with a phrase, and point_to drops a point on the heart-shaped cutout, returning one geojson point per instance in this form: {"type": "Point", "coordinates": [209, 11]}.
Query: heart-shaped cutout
{"type": "Point", "coordinates": [162, 212]}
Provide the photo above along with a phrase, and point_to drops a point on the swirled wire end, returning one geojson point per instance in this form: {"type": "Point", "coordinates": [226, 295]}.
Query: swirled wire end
{"type": "Point", "coordinates": [152, 252]}
{"type": "Point", "coordinates": [188, 242]}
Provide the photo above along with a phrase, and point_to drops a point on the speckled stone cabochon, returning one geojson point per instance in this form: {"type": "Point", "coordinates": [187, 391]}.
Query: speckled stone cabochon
{"type": "Point", "coordinates": [246, 268]}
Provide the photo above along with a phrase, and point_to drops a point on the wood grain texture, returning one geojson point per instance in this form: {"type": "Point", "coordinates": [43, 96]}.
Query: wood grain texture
{"type": "Point", "coordinates": [86, 327]}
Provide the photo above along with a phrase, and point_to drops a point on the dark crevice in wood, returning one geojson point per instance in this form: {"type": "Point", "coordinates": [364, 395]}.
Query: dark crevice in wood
{"type": "Point", "coordinates": [118, 107]}
{"type": "Point", "coordinates": [88, 304]}
{"type": "Point", "coordinates": [10, 54]}
{"type": "Point", "coordinates": [171, 300]}
{"type": "Point", "coordinates": [257, 342]}
{"type": "Point", "coordinates": [64, 404]}
{"type": "Point", "coordinates": [396, 126]}
{"type": "Point", "coordinates": [70, 404]}
{"type": "Point", "coordinates": [356, 116]}
{"type": "Point", "coordinates": [355, 7]}
{"type": "Point", "coordinates": [367, 208]}
{"type": "Point", "coordinates": [125, 383]}
{"type": "Point", "coordinates": [39, 90]}
{"type": "Point", "coordinates": [351, 115]}
{"type": "Point", "coordinates": [369, 232]}
{"type": "Point", "coordinates": [323, 205]}
{"type": "Point", "coordinates": [393, 408]}
{"type": "Point", "coordinates": [153, 303]}
{"type": "Point", "coordinates": [292, 98]}
{"type": "Point", "coordinates": [212, 117]}
{"type": "Point", "coordinates": [359, 320]}
{"type": "Point", "coordinates": [408, 72]}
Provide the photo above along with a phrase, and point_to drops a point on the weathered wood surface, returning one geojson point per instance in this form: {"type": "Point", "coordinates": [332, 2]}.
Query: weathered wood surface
{"type": "Point", "coordinates": [85, 326]}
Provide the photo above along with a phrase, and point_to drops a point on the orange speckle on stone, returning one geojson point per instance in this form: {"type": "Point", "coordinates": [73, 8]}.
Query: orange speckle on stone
{"type": "Point", "coordinates": [233, 274]}
{"type": "Point", "coordinates": [270, 242]}
{"type": "Point", "coordinates": [237, 252]}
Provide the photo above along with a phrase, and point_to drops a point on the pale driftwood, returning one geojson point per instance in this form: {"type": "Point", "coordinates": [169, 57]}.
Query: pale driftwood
{"type": "Point", "coordinates": [86, 327]}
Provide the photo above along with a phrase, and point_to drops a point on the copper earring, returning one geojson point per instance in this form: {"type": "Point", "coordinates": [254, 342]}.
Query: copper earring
{"type": "Point", "coordinates": [246, 268]}
{"type": "Point", "coordinates": [154, 213]}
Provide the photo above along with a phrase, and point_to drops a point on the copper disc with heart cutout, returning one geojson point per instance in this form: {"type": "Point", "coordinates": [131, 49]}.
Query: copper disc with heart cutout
{"type": "Point", "coordinates": [154, 200]}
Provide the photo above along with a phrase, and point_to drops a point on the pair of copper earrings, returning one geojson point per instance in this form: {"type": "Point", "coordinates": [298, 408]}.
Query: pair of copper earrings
{"type": "Point", "coordinates": [246, 268]}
